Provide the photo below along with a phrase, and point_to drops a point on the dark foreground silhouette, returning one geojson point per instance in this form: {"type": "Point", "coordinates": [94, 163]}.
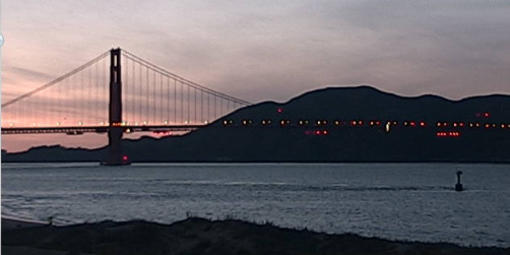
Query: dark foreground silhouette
{"type": "Point", "coordinates": [202, 236]}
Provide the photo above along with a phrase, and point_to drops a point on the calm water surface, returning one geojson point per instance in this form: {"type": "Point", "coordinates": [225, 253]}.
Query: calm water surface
{"type": "Point", "coordinates": [396, 201]}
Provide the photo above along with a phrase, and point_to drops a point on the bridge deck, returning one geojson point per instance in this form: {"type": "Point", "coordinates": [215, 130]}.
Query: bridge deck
{"type": "Point", "coordinates": [95, 129]}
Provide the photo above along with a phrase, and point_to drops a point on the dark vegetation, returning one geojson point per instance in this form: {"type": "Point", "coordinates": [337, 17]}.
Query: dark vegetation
{"type": "Point", "coordinates": [202, 236]}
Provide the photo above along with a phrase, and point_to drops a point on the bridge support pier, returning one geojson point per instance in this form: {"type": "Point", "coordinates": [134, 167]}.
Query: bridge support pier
{"type": "Point", "coordinates": [115, 129]}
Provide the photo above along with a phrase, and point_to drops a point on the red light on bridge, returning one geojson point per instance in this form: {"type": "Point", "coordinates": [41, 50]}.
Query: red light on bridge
{"type": "Point", "coordinates": [279, 110]}
{"type": "Point", "coordinates": [486, 114]}
{"type": "Point", "coordinates": [125, 158]}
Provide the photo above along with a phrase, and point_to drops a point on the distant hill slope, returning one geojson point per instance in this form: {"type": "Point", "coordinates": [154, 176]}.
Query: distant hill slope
{"type": "Point", "coordinates": [339, 139]}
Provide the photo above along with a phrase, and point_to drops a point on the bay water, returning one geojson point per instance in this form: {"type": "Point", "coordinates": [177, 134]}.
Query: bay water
{"type": "Point", "coordinates": [390, 200]}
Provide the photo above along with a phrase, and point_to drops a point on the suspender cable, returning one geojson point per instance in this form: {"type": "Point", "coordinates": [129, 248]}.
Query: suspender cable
{"type": "Point", "coordinates": [195, 110]}
{"type": "Point", "coordinates": [201, 106]}
{"type": "Point", "coordinates": [221, 107]}
{"type": "Point", "coordinates": [160, 97]}
{"type": "Point", "coordinates": [154, 98]}
{"type": "Point", "coordinates": [89, 96]}
{"type": "Point", "coordinates": [146, 94]}
{"type": "Point", "coordinates": [139, 101]}
{"type": "Point", "coordinates": [182, 103]}
{"type": "Point", "coordinates": [181, 79]}
{"type": "Point", "coordinates": [175, 101]}
{"type": "Point", "coordinates": [134, 85]}
{"type": "Point", "coordinates": [189, 101]}
{"type": "Point", "coordinates": [96, 93]}
{"type": "Point", "coordinates": [168, 99]}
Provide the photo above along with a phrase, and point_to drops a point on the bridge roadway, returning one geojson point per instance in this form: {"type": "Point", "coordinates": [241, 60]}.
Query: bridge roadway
{"type": "Point", "coordinates": [96, 129]}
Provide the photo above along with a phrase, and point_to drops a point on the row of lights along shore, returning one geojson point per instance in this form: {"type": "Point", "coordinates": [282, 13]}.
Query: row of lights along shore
{"type": "Point", "coordinates": [372, 123]}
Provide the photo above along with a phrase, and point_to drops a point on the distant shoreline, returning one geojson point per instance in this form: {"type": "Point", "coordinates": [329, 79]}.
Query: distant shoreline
{"type": "Point", "coordinates": [280, 162]}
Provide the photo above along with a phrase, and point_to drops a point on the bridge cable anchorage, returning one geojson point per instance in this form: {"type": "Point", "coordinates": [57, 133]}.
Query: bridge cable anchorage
{"type": "Point", "coordinates": [195, 85]}
{"type": "Point", "coordinates": [57, 80]}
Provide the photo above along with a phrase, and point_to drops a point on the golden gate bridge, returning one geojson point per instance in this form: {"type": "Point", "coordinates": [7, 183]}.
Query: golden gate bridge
{"type": "Point", "coordinates": [118, 92]}
{"type": "Point", "coordinates": [114, 93]}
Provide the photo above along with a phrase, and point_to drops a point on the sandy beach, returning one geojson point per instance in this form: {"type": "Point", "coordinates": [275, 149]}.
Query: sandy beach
{"type": "Point", "coordinates": [202, 236]}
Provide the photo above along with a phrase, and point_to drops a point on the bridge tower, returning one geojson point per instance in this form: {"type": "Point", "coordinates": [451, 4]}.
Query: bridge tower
{"type": "Point", "coordinates": [115, 129]}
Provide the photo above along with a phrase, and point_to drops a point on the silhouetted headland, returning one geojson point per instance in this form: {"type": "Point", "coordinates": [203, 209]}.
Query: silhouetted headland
{"type": "Point", "coordinates": [203, 236]}
{"type": "Point", "coordinates": [354, 124]}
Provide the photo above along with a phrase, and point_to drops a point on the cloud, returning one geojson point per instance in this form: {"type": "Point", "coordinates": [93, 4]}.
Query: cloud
{"type": "Point", "coordinates": [29, 74]}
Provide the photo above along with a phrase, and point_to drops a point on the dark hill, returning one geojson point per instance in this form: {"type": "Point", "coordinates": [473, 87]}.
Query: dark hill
{"type": "Point", "coordinates": [368, 103]}
{"type": "Point", "coordinates": [339, 140]}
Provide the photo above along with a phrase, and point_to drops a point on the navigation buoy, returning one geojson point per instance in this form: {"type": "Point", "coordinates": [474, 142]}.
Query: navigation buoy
{"type": "Point", "coordinates": [458, 186]}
